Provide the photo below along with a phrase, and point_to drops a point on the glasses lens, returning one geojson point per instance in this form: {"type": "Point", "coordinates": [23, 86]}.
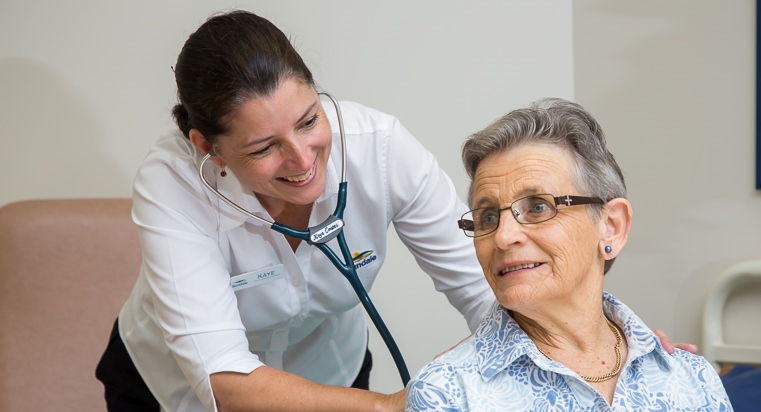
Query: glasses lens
{"type": "Point", "coordinates": [534, 209]}
{"type": "Point", "coordinates": [527, 210]}
{"type": "Point", "coordinates": [485, 220]}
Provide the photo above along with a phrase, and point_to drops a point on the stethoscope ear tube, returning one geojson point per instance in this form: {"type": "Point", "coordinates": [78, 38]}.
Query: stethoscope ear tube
{"type": "Point", "coordinates": [318, 236]}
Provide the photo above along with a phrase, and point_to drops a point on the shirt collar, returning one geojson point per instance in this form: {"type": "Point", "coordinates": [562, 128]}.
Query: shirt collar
{"type": "Point", "coordinates": [499, 340]}
{"type": "Point", "coordinates": [640, 339]}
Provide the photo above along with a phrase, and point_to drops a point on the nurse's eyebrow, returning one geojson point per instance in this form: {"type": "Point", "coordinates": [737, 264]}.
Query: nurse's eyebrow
{"type": "Point", "coordinates": [306, 113]}
{"type": "Point", "coordinates": [299, 120]}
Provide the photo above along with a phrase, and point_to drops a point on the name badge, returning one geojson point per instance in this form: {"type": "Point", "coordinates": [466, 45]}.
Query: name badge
{"type": "Point", "coordinates": [257, 277]}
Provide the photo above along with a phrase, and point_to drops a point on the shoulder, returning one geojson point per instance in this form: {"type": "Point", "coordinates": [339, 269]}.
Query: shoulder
{"type": "Point", "coordinates": [360, 119]}
{"type": "Point", "coordinates": [168, 192]}
{"type": "Point", "coordinates": [688, 363]}
{"type": "Point", "coordinates": [381, 136]}
{"type": "Point", "coordinates": [171, 159]}
{"type": "Point", "coordinates": [686, 378]}
{"type": "Point", "coordinates": [444, 370]}
{"type": "Point", "coordinates": [463, 353]}
{"type": "Point", "coordinates": [464, 357]}
{"type": "Point", "coordinates": [443, 382]}
{"type": "Point", "coordinates": [682, 380]}
{"type": "Point", "coordinates": [172, 150]}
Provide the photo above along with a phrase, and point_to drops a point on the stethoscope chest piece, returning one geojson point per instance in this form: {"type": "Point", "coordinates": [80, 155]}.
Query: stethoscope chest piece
{"type": "Point", "coordinates": [326, 231]}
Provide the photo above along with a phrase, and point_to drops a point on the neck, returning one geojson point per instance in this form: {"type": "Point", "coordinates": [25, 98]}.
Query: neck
{"type": "Point", "coordinates": [293, 216]}
{"type": "Point", "coordinates": [573, 320]}
{"type": "Point", "coordinates": [579, 331]}
{"type": "Point", "coordinates": [281, 210]}
{"type": "Point", "coordinates": [590, 345]}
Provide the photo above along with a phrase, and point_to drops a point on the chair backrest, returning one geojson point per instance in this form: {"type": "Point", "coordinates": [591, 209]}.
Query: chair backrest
{"type": "Point", "coordinates": [66, 267]}
{"type": "Point", "coordinates": [714, 348]}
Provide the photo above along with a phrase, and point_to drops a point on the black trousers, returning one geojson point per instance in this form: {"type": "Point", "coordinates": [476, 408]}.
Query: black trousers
{"type": "Point", "coordinates": [125, 390]}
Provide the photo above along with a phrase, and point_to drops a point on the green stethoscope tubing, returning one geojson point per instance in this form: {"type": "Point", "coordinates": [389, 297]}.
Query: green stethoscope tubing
{"type": "Point", "coordinates": [320, 234]}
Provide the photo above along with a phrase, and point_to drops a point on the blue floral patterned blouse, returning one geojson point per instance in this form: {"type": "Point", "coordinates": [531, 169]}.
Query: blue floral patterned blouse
{"type": "Point", "coordinates": [500, 369]}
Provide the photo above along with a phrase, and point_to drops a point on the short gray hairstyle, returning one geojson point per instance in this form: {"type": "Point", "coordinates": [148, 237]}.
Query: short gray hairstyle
{"type": "Point", "coordinates": [556, 122]}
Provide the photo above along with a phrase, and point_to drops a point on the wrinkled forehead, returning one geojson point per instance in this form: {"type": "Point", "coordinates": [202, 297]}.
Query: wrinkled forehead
{"type": "Point", "coordinates": [521, 171]}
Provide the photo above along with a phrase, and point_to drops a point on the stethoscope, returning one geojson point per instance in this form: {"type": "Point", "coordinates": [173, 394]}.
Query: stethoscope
{"type": "Point", "coordinates": [319, 235]}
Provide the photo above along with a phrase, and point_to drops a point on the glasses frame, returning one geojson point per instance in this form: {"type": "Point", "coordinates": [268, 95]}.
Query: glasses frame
{"type": "Point", "coordinates": [469, 227]}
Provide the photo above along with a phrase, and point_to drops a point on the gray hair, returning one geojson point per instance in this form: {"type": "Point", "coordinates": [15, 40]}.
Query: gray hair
{"type": "Point", "coordinates": [555, 122]}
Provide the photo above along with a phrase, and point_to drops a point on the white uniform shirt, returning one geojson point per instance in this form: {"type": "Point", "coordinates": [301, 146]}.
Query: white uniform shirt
{"type": "Point", "coordinates": [293, 311]}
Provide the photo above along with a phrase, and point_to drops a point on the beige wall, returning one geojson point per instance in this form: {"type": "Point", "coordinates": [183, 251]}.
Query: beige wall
{"type": "Point", "coordinates": [672, 83]}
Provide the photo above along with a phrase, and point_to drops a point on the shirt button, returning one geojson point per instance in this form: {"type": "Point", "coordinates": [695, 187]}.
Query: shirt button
{"type": "Point", "coordinates": [296, 282]}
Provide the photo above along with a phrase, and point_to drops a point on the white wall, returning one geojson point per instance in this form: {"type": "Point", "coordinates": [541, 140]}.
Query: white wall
{"type": "Point", "coordinates": [672, 83]}
{"type": "Point", "coordinates": [86, 86]}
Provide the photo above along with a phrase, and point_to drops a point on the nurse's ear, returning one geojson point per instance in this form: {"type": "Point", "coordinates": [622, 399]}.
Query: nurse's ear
{"type": "Point", "coordinates": [615, 222]}
{"type": "Point", "coordinates": [203, 146]}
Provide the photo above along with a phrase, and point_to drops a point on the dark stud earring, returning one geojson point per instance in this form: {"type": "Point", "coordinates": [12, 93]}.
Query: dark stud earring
{"type": "Point", "coordinates": [608, 249]}
{"type": "Point", "coordinates": [223, 173]}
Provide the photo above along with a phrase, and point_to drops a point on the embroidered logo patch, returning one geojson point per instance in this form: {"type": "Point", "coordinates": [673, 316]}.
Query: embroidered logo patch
{"type": "Point", "coordinates": [363, 258]}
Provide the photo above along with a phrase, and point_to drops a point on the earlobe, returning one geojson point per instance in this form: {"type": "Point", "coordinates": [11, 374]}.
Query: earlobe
{"type": "Point", "coordinates": [615, 224]}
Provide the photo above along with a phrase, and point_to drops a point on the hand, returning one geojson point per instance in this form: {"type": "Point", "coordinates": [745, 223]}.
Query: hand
{"type": "Point", "coordinates": [666, 343]}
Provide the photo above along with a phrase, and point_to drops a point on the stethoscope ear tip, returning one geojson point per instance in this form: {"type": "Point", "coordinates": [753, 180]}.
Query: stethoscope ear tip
{"type": "Point", "coordinates": [211, 153]}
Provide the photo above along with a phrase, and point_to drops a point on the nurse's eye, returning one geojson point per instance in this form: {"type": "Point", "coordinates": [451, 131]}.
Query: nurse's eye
{"type": "Point", "coordinates": [311, 122]}
{"type": "Point", "coordinates": [263, 151]}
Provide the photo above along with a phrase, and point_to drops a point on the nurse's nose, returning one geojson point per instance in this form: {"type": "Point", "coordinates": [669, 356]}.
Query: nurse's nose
{"type": "Point", "coordinates": [300, 156]}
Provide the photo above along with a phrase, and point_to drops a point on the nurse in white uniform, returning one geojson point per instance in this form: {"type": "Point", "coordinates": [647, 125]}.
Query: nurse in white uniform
{"type": "Point", "coordinates": [228, 314]}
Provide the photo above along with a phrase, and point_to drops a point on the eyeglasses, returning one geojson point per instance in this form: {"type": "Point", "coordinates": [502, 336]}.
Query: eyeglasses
{"type": "Point", "coordinates": [526, 210]}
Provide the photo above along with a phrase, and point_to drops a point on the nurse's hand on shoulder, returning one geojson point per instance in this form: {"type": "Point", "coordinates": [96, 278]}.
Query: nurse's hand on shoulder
{"type": "Point", "coordinates": [669, 346]}
{"type": "Point", "coordinates": [269, 389]}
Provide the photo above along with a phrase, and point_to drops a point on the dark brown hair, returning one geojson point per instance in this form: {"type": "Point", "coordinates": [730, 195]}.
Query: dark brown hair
{"type": "Point", "coordinates": [232, 58]}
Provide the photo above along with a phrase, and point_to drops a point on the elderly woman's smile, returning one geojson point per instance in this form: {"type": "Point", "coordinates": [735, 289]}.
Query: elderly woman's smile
{"type": "Point", "coordinates": [520, 266]}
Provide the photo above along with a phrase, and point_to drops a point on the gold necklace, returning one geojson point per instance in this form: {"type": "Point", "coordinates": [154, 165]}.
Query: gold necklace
{"type": "Point", "coordinates": [616, 368]}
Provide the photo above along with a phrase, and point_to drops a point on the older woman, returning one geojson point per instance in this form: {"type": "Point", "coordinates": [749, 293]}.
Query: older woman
{"type": "Point", "coordinates": [549, 216]}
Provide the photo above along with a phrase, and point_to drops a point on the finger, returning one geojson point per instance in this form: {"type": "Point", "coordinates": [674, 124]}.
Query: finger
{"type": "Point", "coordinates": [665, 341]}
{"type": "Point", "coordinates": [689, 347]}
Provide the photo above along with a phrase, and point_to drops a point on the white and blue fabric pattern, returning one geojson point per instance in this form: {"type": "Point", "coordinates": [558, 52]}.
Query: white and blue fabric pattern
{"type": "Point", "coordinates": [500, 369]}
